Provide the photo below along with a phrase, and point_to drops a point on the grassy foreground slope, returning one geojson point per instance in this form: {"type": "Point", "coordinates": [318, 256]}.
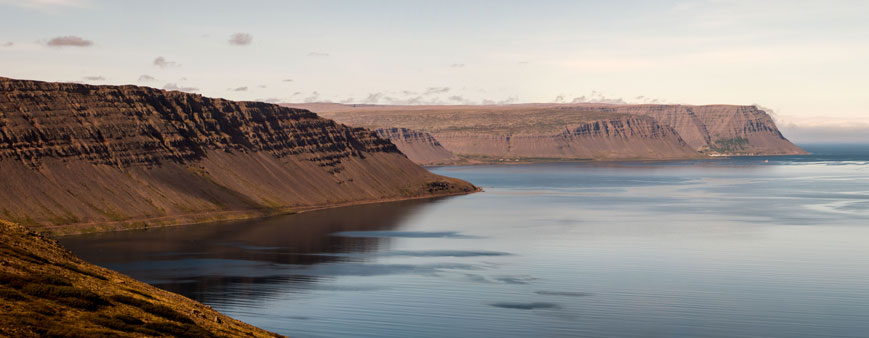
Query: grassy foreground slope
{"type": "Point", "coordinates": [46, 291]}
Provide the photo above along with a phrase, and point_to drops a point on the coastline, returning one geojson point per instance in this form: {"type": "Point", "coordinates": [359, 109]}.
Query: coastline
{"type": "Point", "coordinates": [209, 217]}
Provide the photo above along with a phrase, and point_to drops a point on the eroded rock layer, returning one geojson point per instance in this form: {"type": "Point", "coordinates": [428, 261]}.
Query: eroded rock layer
{"type": "Point", "coordinates": [79, 157]}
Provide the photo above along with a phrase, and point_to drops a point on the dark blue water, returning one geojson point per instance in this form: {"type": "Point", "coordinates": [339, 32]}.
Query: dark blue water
{"type": "Point", "coordinates": [739, 247]}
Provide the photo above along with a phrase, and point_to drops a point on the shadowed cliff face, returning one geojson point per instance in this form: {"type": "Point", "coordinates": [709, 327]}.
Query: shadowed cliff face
{"type": "Point", "coordinates": [86, 158]}
{"type": "Point", "coordinates": [577, 131]}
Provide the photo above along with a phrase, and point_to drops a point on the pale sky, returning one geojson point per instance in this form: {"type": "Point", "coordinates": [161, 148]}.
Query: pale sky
{"type": "Point", "coordinates": [808, 61]}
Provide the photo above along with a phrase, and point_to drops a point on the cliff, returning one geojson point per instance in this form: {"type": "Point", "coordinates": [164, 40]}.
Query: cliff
{"type": "Point", "coordinates": [579, 131]}
{"type": "Point", "coordinates": [720, 129]}
{"type": "Point", "coordinates": [79, 158]}
{"type": "Point", "coordinates": [45, 291]}
{"type": "Point", "coordinates": [420, 147]}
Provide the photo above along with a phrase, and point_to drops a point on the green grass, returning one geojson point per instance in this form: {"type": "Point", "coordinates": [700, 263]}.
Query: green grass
{"type": "Point", "coordinates": [729, 145]}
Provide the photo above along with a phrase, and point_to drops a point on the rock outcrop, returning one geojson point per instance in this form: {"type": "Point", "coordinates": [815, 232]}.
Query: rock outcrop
{"type": "Point", "coordinates": [86, 158]}
{"type": "Point", "coordinates": [45, 291]}
{"type": "Point", "coordinates": [578, 131]}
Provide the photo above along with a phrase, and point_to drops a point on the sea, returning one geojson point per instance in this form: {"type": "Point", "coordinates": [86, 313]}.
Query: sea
{"type": "Point", "coordinates": [729, 247]}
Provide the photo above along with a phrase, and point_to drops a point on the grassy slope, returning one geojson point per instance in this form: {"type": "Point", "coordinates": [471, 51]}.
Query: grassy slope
{"type": "Point", "coordinates": [46, 291]}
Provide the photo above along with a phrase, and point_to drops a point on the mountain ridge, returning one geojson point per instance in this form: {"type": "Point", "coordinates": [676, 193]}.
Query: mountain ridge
{"type": "Point", "coordinates": [644, 132]}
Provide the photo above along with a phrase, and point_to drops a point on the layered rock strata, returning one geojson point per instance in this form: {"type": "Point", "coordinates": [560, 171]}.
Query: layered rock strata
{"type": "Point", "coordinates": [86, 158]}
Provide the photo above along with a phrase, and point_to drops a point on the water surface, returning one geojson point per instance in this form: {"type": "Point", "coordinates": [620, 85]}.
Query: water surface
{"type": "Point", "coordinates": [742, 247]}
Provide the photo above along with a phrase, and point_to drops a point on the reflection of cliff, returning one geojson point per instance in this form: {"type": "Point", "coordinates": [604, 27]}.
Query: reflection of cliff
{"type": "Point", "coordinates": [189, 258]}
{"type": "Point", "coordinates": [84, 158]}
{"type": "Point", "coordinates": [571, 131]}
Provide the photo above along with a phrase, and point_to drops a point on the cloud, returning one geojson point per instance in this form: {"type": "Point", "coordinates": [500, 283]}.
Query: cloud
{"type": "Point", "coordinates": [163, 63]}
{"type": "Point", "coordinates": [69, 41]}
{"type": "Point", "coordinates": [436, 90]}
{"type": "Point", "coordinates": [271, 100]}
{"type": "Point", "coordinates": [287, 80]}
{"type": "Point", "coordinates": [597, 97]}
{"type": "Point", "coordinates": [457, 65]}
{"type": "Point", "coordinates": [297, 93]}
{"type": "Point", "coordinates": [558, 99]}
{"type": "Point", "coordinates": [374, 98]}
{"type": "Point", "coordinates": [263, 86]}
{"type": "Point", "coordinates": [240, 39]}
{"type": "Point", "coordinates": [314, 97]}
{"type": "Point", "coordinates": [94, 78]}
{"type": "Point", "coordinates": [173, 86]}
{"type": "Point", "coordinates": [146, 78]}
{"type": "Point", "coordinates": [318, 54]}
{"type": "Point", "coordinates": [460, 99]}
{"type": "Point", "coordinates": [8, 44]}
{"type": "Point", "coordinates": [509, 100]}
{"type": "Point", "coordinates": [239, 89]}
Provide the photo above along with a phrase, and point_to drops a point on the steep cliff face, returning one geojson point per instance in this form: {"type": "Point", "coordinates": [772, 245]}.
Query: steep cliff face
{"type": "Point", "coordinates": [720, 129]}
{"type": "Point", "coordinates": [543, 130]}
{"type": "Point", "coordinates": [45, 291]}
{"type": "Point", "coordinates": [78, 157]}
{"type": "Point", "coordinates": [420, 147]}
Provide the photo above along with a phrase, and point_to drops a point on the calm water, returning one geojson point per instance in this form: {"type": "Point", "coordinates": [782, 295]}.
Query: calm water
{"type": "Point", "coordinates": [720, 248]}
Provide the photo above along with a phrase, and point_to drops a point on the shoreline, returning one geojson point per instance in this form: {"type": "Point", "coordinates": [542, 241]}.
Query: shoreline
{"type": "Point", "coordinates": [592, 160]}
{"type": "Point", "coordinates": [210, 217]}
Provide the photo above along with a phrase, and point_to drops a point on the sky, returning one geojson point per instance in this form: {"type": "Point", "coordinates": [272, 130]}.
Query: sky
{"type": "Point", "coordinates": [803, 61]}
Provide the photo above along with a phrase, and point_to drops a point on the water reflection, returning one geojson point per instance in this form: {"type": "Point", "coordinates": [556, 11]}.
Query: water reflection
{"type": "Point", "coordinates": [263, 255]}
{"type": "Point", "coordinates": [747, 247]}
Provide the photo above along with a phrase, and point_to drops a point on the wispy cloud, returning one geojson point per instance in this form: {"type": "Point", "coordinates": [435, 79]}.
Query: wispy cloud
{"type": "Point", "coordinates": [146, 78]}
{"type": "Point", "coordinates": [69, 41]}
{"type": "Point", "coordinates": [240, 39]}
{"type": "Point", "coordinates": [318, 54]}
{"type": "Point", "coordinates": [597, 97]}
{"type": "Point", "coordinates": [374, 98]}
{"type": "Point", "coordinates": [436, 90]}
{"type": "Point", "coordinates": [94, 78]}
{"type": "Point", "coordinates": [457, 65]}
{"type": "Point", "coordinates": [8, 44]}
{"type": "Point", "coordinates": [163, 63]}
{"type": "Point", "coordinates": [239, 89]}
{"type": "Point", "coordinates": [314, 97]}
{"type": "Point", "coordinates": [174, 86]}
{"type": "Point", "coordinates": [287, 80]}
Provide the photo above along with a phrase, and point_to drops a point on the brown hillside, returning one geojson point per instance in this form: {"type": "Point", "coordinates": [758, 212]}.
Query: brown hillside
{"type": "Point", "coordinates": [85, 158]}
